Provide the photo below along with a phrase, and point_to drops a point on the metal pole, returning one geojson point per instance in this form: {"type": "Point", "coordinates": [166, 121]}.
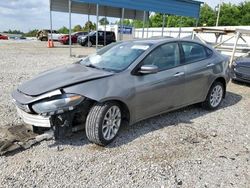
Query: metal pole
{"type": "Point", "coordinates": [235, 46]}
{"type": "Point", "coordinates": [218, 15]}
{"type": "Point", "coordinates": [97, 20]}
{"type": "Point", "coordinates": [180, 28]}
{"type": "Point", "coordinates": [88, 24]}
{"type": "Point", "coordinates": [147, 26]}
{"type": "Point", "coordinates": [197, 22]}
{"type": "Point", "coordinates": [70, 42]}
{"type": "Point", "coordinates": [122, 23]}
{"type": "Point", "coordinates": [105, 28]}
{"type": "Point", "coordinates": [144, 19]}
{"type": "Point", "coordinates": [50, 15]}
{"type": "Point", "coordinates": [133, 29]}
{"type": "Point", "coordinates": [163, 24]}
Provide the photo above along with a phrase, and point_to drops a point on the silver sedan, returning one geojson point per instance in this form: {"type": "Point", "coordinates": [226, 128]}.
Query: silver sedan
{"type": "Point", "coordinates": [121, 84]}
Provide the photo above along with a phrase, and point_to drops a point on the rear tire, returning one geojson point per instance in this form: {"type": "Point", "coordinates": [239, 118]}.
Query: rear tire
{"type": "Point", "coordinates": [103, 123]}
{"type": "Point", "coordinates": [214, 96]}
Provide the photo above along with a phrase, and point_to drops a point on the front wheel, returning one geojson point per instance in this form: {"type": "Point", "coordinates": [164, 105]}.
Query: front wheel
{"type": "Point", "coordinates": [103, 123]}
{"type": "Point", "coordinates": [214, 97]}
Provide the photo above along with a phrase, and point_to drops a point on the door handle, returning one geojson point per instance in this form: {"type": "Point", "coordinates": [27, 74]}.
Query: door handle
{"type": "Point", "coordinates": [210, 65]}
{"type": "Point", "coordinates": [178, 74]}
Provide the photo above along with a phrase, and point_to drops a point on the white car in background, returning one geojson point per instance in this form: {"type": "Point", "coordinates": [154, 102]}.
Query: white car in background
{"type": "Point", "coordinates": [45, 35]}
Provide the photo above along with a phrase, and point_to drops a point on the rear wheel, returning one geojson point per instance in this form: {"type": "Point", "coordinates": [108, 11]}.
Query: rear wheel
{"type": "Point", "coordinates": [103, 123]}
{"type": "Point", "coordinates": [44, 39]}
{"type": "Point", "coordinates": [214, 97]}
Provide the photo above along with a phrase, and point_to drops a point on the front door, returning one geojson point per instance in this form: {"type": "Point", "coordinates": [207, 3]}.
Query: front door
{"type": "Point", "coordinates": [162, 91]}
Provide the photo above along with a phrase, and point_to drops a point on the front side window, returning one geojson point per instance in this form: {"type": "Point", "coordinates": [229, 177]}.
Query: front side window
{"type": "Point", "coordinates": [116, 57]}
{"type": "Point", "coordinates": [164, 57]}
{"type": "Point", "coordinates": [100, 34]}
{"type": "Point", "coordinates": [193, 52]}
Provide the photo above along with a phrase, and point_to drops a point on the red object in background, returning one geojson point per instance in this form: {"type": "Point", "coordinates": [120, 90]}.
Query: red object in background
{"type": "Point", "coordinates": [65, 38]}
{"type": "Point", "coordinates": [3, 37]}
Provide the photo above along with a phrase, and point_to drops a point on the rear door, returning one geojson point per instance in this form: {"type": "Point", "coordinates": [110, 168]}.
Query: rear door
{"type": "Point", "coordinates": [198, 67]}
{"type": "Point", "coordinates": [156, 93]}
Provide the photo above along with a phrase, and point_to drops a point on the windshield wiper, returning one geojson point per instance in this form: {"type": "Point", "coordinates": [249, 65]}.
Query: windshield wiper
{"type": "Point", "coordinates": [92, 66]}
{"type": "Point", "coordinates": [100, 68]}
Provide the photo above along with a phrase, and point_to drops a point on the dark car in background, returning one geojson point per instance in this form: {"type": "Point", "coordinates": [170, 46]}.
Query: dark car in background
{"type": "Point", "coordinates": [64, 39]}
{"type": "Point", "coordinates": [241, 69]}
{"type": "Point", "coordinates": [123, 83]}
{"type": "Point", "coordinates": [3, 37]}
{"type": "Point", "coordinates": [104, 38]}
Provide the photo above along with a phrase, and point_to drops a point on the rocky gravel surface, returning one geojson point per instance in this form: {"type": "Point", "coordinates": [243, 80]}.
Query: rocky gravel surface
{"type": "Point", "coordinates": [190, 147]}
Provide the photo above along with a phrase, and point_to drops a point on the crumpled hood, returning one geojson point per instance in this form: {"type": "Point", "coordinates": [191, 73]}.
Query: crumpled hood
{"type": "Point", "coordinates": [61, 77]}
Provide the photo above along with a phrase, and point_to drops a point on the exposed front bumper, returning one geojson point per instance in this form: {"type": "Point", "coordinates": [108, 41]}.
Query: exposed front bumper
{"type": "Point", "coordinates": [35, 120]}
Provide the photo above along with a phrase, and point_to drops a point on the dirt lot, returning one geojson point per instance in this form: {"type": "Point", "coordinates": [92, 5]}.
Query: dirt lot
{"type": "Point", "coordinates": [190, 147]}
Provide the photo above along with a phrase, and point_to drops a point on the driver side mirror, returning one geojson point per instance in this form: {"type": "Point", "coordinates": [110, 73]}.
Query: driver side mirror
{"type": "Point", "coordinates": [148, 69]}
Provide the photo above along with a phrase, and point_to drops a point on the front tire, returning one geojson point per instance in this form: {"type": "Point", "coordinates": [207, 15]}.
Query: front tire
{"type": "Point", "coordinates": [214, 97]}
{"type": "Point", "coordinates": [103, 123]}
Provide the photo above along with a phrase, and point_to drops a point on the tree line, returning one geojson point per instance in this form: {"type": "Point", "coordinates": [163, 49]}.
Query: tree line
{"type": "Point", "coordinates": [230, 15]}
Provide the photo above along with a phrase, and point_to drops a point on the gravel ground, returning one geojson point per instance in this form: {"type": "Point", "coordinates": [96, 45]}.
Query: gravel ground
{"type": "Point", "coordinates": [186, 148]}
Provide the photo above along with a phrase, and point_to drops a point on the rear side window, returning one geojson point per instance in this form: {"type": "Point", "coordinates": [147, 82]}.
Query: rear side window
{"type": "Point", "coordinates": [209, 52]}
{"type": "Point", "coordinates": [110, 34]}
{"type": "Point", "coordinates": [194, 52]}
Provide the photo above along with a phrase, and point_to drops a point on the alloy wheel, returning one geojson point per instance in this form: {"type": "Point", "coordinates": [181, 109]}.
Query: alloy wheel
{"type": "Point", "coordinates": [111, 123]}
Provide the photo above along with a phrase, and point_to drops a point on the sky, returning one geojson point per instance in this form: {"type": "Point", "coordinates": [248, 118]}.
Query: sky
{"type": "Point", "coordinates": [26, 15]}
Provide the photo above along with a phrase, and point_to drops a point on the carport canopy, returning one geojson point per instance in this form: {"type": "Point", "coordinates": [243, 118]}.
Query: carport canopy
{"type": "Point", "coordinates": [124, 9]}
{"type": "Point", "coordinates": [134, 8]}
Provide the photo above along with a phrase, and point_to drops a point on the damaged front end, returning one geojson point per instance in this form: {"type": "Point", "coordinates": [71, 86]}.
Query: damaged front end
{"type": "Point", "coordinates": [62, 112]}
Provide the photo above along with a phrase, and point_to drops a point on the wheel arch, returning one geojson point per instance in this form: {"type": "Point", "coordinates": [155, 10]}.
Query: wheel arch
{"type": "Point", "coordinates": [122, 104]}
{"type": "Point", "coordinates": [218, 79]}
{"type": "Point", "coordinates": [224, 83]}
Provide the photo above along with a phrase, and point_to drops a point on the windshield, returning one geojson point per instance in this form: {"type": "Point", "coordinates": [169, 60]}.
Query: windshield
{"type": "Point", "coordinates": [116, 57]}
{"type": "Point", "coordinates": [92, 33]}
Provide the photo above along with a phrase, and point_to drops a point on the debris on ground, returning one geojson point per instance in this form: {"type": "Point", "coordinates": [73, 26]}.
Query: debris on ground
{"type": "Point", "coordinates": [19, 137]}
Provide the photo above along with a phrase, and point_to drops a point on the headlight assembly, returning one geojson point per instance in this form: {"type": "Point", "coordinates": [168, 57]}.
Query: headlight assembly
{"type": "Point", "coordinates": [58, 104]}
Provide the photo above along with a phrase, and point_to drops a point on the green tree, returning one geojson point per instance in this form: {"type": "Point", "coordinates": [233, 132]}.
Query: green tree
{"type": "Point", "coordinates": [126, 22]}
{"type": "Point", "coordinates": [104, 21]}
{"type": "Point", "coordinates": [245, 13]}
{"type": "Point", "coordinates": [207, 16]}
{"type": "Point", "coordinates": [156, 20]}
{"type": "Point", "coordinates": [77, 28]}
{"type": "Point", "coordinates": [63, 30]}
{"type": "Point", "coordinates": [137, 23]}
{"type": "Point", "coordinates": [89, 26]}
{"type": "Point", "coordinates": [31, 33]}
{"type": "Point", "coordinates": [230, 15]}
{"type": "Point", "coordinates": [13, 32]}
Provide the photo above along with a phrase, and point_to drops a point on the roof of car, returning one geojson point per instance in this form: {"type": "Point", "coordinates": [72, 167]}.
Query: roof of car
{"type": "Point", "coordinates": [157, 40]}
{"type": "Point", "coordinates": [153, 40]}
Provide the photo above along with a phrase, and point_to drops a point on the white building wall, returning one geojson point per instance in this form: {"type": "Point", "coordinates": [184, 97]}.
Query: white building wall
{"type": "Point", "coordinates": [187, 31]}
